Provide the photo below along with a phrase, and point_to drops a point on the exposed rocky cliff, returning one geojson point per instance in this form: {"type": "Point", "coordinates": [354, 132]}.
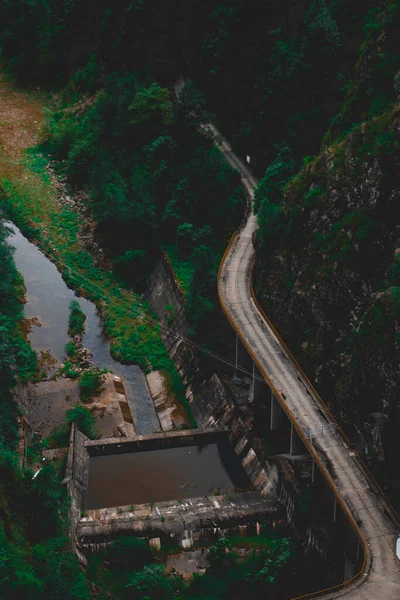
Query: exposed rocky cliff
{"type": "Point", "coordinates": [329, 255]}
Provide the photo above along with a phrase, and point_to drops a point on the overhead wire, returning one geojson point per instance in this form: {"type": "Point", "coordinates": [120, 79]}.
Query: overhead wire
{"type": "Point", "coordinates": [186, 340]}
{"type": "Point", "coordinates": [154, 323]}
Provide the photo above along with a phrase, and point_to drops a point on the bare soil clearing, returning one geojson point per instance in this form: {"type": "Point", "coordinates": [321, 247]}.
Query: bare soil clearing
{"type": "Point", "coordinates": [21, 116]}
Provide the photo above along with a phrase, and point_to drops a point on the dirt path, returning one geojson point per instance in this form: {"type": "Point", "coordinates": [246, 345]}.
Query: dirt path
{"type": "Point", "coordinates": [21, 118]}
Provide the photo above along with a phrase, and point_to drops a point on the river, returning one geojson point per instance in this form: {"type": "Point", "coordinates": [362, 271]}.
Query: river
{"type": "Point", "coordinates": [48, 298]}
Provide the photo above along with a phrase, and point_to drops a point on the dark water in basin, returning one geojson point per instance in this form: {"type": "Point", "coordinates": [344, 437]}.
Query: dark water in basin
{"type": "Point", "coordinates": [166, 474]}
{"type": "Point", "coordinates": [48, 298]}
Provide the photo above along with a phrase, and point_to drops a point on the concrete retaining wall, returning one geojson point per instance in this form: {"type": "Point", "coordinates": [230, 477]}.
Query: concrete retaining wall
{"type": "Point", "coordinates": [76, 478]}
{"type": "Point", "coordinates": [189, 521]}
{"type": "Point", "coordinates": [213, 405]}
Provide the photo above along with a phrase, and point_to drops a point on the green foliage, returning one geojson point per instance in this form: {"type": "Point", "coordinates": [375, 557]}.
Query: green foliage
{"type": "Point", "coordinates": [266, 571]}
{"type": "Point", "coordinates": [287, 84]}
{"type": "Point", "coordinates": [68, 369]}
{"type": "Point", "coordinates": [89, 383]}
{"type": "Point", "coordinates": [76, 321]}
{"type": "Point", "coordinates": [48, 514]}
{"type": "Point", "coordinates": [150, 583]}
{"type": "Point", "coordinates": [154, 178]}
{"type": "Point", "coordinates": [174, 384]}
{"type": "Point", "coordinates": [192, 105]}
{"type": "Point", "coordinates": [35, 561]}
{"type": "Point", "coordinates": [85, 79]}
{"type": "Point", "coordinates": [47, 570]}
{"type": "Point", "coordinates": [85, 421]}
{"type": "Point", "coordinates": [312, 195]}
{"type": "Point", "coordinates": [83, 418]}
{"type": "Point", "coordinates": [16, 355]}
{"type": "Point", "coordinates": [269, 195]}
{"type": "Point", "coordinates": [372, 91]}
{"type": "Point", "coordinates": [270, 188]}
{"type": "Point", "coordinates": [322, 29]}
{"type": "Point", "coordinates": [127, 570]}
{"type": "Point", "coordinates": [129, 553]}
{"type": "Point", "coordinates": [183, 268]}
{"type": "Point", "coordinates": [220, 557]}
{"type": "Point", "coordinates": [70, 349]}
{"type": "Point", "coordinates": [151, 105]}
{"type": "Point", "coordinates": [170, 314]}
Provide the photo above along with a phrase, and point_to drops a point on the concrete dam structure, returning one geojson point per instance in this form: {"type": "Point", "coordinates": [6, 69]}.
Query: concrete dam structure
{"type": "Point", "coordinates": [112, 496]}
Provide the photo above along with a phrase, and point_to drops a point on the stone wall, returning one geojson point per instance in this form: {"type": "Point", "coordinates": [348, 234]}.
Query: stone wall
{"type": "Point", "coordinates": [207, 396]}
{"type": "Point", "coordinates": [164, 291]}
{"type": "Point", "coordinates": [213, 405]}
{"type": "Point", "coordinates": [186, 522]}
{"type": "Point", "coordinates": [76, 478]}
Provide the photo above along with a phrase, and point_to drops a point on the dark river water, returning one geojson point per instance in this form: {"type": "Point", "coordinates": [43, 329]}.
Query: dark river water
{"type": "Point", "coordinates": [48, 298]}
{"type": "Point", "coordinates": [166, 474]}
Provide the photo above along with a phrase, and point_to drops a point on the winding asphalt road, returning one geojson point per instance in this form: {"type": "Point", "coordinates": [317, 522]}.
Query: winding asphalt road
{"type": "Point", "coordinates": [354, 489]}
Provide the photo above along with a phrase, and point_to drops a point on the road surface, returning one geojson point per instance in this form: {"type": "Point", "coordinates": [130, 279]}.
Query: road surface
{"type": "Point", "coordinates": [365, 509]}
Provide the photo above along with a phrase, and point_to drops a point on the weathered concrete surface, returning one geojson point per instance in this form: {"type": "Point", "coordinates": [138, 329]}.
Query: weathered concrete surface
{"type": "Point", "coordinates": [139, 399]}
{"type": "Point", "coordinates": [204, 394]}
{"type": "Point", "coordinates": [194, 519]}
{"type": "Point", "coordinates": [111, 408]}
{"type": "Point", "coordinates": [25, 435]}
{"type": "Point", "coordinates": [46, 403]}
{"type": "Point", "coordinates": [76, 476]}
{"type": "Point", "coordinates": [163, 292]}
{"type": "Point", "coordinates": [152, 441]}
{"type": "Point", "coordinates": [380, 577]}
{"type": "Point", "coordinates": [215, 404]}
{"type": "Point", "coordinates": [169, 410]}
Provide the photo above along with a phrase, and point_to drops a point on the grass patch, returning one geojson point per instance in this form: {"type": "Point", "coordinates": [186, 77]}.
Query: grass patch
{"type": "Point", "coordinates": [183, 269]}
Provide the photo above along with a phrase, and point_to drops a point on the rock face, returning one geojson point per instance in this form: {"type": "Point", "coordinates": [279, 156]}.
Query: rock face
{"type": "Point", "coordinates": [328, 271]}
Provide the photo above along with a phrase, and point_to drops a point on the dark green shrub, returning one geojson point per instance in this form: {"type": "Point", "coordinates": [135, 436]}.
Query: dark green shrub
{"type": "Point", "coordinates": [77, 318]}
{"type": "Point", "coordinates": [70, 349]}
{"type": "Point", "coordinates": [89, 383]}
{"type": "Point", "coordinates": [83, 418]}
{"type": "Point", "coordinates": [129, 553]}
{"type": "Point", "coordinates": [68, 370]}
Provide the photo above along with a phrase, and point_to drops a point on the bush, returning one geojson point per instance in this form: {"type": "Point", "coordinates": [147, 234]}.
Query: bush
{"type": "Point", "coordinates": [150, 583]}
{"type": "Point", "coordinates": [77, 318]}
{"type": "Point", "coordinates": [83, 418]}
{"type": "Point", "coordinates": [129, 553]}
{"type": "Point", "coordinates": [68, 370]}
{"type": "Point", "coordinates": [89, 383]}
{"type": "Point", "coordinates": [70, 349]}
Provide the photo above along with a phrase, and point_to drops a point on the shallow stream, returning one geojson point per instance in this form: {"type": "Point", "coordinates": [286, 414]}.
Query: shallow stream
{"type": "Point", "coordinates": [48, 299]}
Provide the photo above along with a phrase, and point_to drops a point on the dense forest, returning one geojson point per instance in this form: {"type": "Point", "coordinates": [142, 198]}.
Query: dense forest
{"type": "Point", "coordinates": [154, 180]}
{"type": "Point", "coordinates": [309, 89]}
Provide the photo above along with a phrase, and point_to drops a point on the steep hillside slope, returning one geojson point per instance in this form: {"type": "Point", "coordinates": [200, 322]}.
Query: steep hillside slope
{"type": "Point", "coordinates": [329, 253]}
